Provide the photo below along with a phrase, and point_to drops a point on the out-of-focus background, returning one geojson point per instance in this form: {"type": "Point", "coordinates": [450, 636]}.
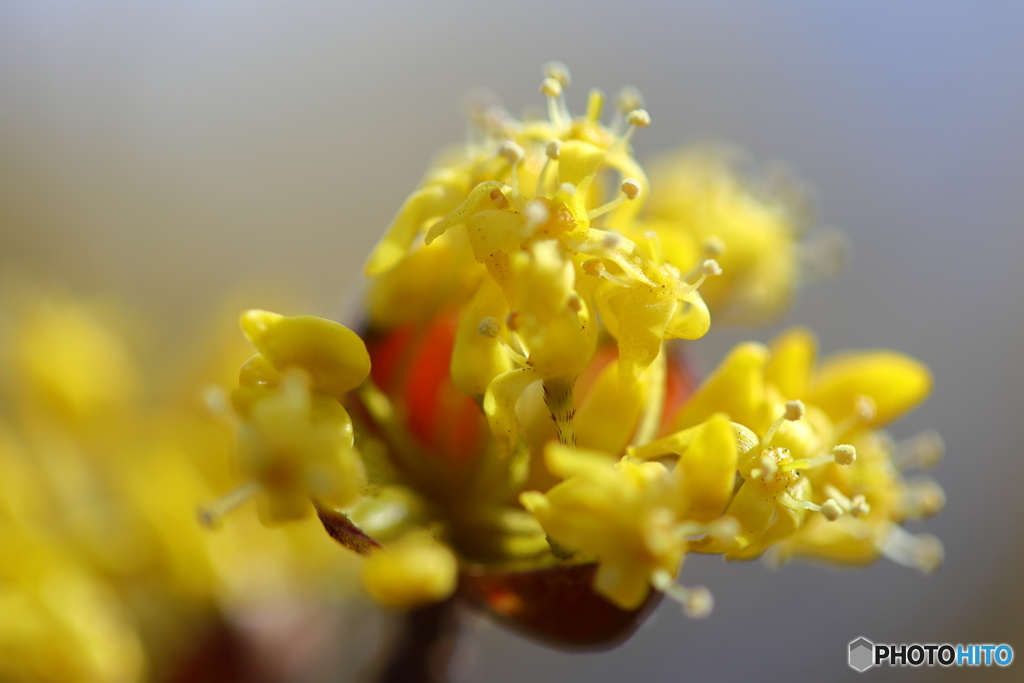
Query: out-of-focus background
{"type": "Point", "coordinates": [171, 153]}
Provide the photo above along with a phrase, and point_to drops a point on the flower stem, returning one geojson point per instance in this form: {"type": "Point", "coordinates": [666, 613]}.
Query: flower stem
{"type": "Point", "coordinates": [424, 646]}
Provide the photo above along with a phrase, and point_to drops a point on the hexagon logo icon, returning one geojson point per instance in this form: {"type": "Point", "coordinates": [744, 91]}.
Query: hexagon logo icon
{"type": "Point", "coordinates": [862, 654]}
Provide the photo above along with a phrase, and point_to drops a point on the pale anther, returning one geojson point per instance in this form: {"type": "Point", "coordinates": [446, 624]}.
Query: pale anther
{"type": "Point", "coordinates": [553, 149]}
{"type": "Point", "coordinates": [859, 506]}
{"type": "Point", "coordinates": [699, 603]}
{"type": "Point", "coordinates": [558, 71]}
{"type": "Point", "coordinates": [631, 188]}
{"type": "Point", "coordinates": [794, 410]}
{"type": "Point", "coordinates": [712, 247]}
{"type": "Point", "coordinates": [639, 118]}
{"type": "Point", "coordinates": [489, 327]}
{"type": "Point", "coordinates": [923, 451]}
{"type": "Point", "coordinates": [594, 267]}
{"type": "Point", "coordinates": [537, 213]}
{"type": "Point", "coordinates": [512, 151]}
{"type": "Point", "coordinates": [923, 498]}
{"type": "Point", "coordinates": [844, 454]}
{"type": "Point", "coordinates": [831, 510]}
{"type": "Point", "coordinates": [711, 267]}
{"type": "Point", "coordinates": [551, 87]}
{"type": "Point", "coordinates": [629, 99]}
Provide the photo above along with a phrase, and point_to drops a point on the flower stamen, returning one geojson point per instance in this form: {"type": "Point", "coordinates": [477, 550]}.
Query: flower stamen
{"type": "Point", "coordinates": [843, 454]}
{"type": "Point", "coordinates": [638, 118]}
{"type": "Point", "coordinates": [556, 80]}
{"type": "Point", "coordinates": [628, 99]}
{"type": "Point", "coordinates": [921, 452]}
{"type": "Point", "coordinates": [552, 150]}
{"type": "Point", "coordinates": [514, 155]}
{"type": "Point", "coordinates": [490, 328]}
{"type": "Point", "coordinates": [697, 602]}
{"type": "Point", "coordinates": [922, 498]}
{"type": "Point", "coordinates": [864, 411]}
{"type": "Point", "coordinates": [211, 514]}
{"type": "Point", "coordinates": [709, 267]}
{"type": "Point", "coordinates": [923, 552]}
{"type": "Point", "coordinates": [794, 411]}
{"type": "Point", "coordinates": [596, 268]}
{"type": "Point", "coordinates": [630, 190]}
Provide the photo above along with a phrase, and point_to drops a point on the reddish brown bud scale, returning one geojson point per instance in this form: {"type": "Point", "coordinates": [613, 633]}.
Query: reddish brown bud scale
{"type": "Point", "coordinates": [556, 606]}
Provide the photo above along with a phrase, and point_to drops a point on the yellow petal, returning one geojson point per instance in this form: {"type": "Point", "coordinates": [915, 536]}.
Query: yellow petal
{"type": "Point", "coordinates": [786, 523]}
{"type": "Point", "coordinates": [846, 541]}
{"type": "Point", "coordinates": [333, 356]}
{"type": "Point", "coordinates": [626, 584]}
{"type": "Point", "coordinates": [473, 203]}
{"type": "Point", "coordinates": [707, 471]}
{"type": "Point", "coordinates": [258, 372]}
{"type": "Point", "coordinates": [565, 461]}
{"type": "Point", "coordinates": [413, 572]}
{"type": "Point", "coordinates": [500, 406]}
{"type": "Point", "coordinates": [691, 320]}
{"type": "Point", "coordinates": [679, 442]}
{"type": "Point", "coordinates": [735, 388]}
{"type": "Point", "coordinates": [422, 205]}
{"type": "Point", "coordinates": [895, 382]}
{"type": "Point", "coordinates": [643, 319]}
{"type": "Point", "coordinates": [578, 163]}
{"type": "Point", "coordinates": [611, 411]}
{"type": "Point", "coordinates": [477, 359]}
{"type": "Point", "coordinates": [494, 235]}
{"type": "Point", "coordinates": [754, 508]}
{"type": "Point", "coordinates": [554, 323]}
{"type": "Point", "coordinates": [792, 362]}
{"type": "Point", "coordinates": [418, 286]}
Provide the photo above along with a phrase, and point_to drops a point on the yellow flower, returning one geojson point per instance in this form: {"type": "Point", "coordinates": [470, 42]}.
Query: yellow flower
{"type": "Point", "coordinates": [414, 571]}
{"type": "Point", "coordinates": [636, 518]}
{"type": "Point", "coordinates": [294, 442]}
{"type": "Point", "coordinates": [64, 359]}
{"type": "Point", "coordinates": [881, 386]}
{"type": "Point", "coordinates": [822, 457]}
{"type": "Point", "coordinates": [512, 234]}
{"type": "Point", "coordinates": [700, 207]}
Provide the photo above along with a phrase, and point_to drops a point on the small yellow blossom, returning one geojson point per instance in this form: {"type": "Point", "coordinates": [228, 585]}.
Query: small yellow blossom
{"type": "Point", "coordinates": [65, 358]}
{"type": "Point", "coordinates": [536, 259]}
{"type": "Point", "coordinates": [414, 571]}
{"type": "Point", "coordinates": [700, 207]}
{"type": "Point", "coordinates": [635, 517]}
{"type": "Point", "coordinates": [820, 457]}
{"type": "Point", "coordinates": [296, 443]}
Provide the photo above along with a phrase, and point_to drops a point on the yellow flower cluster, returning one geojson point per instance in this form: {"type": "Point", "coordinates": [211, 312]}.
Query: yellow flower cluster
{"type": "Point", "coordinates": [525, 416]}
{"type": "Point", "coordinates": [105, 577]}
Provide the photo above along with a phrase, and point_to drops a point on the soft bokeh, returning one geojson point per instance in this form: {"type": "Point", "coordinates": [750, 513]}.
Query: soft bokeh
{"type": "Point", "coordinates": [168, 154]}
